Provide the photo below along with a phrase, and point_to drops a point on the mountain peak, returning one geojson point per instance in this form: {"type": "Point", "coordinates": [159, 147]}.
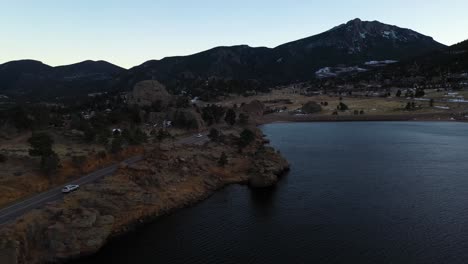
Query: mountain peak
{"type": "Point", "coordinates": [355, 21]}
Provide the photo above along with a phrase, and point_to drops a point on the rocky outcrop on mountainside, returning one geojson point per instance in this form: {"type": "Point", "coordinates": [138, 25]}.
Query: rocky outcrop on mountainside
{"type": "Point", "coordinates": [169, 178]}
{"type": "Point", "coordinates": [147, 93]}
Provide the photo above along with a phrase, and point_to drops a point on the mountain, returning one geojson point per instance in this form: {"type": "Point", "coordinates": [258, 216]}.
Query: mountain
{"type": "Point", "coordinates": [88, 69]}
{"type": "Point", "coordinates": [29, 77]}
{"type": "Point", "coordinates": [11, 73]}
{"type": "Point", "coordinates": [355, 42]}
{"type": "Point", "coordinates": [341, 47]}
{"type": "Point", "coordinates": [451, 60]}
{"type": "Point", "coordinates": [437, 65]}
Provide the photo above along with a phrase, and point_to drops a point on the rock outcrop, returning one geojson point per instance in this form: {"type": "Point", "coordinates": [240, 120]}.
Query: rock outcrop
{"type": "Point", "coordinates": [254, 108]}
{"type": "Point", "coordinates": [267, 168]}
{"type": "Point", "coordinates": [169, 178]}
{"type": "Point", "coordinates": [147, 93]}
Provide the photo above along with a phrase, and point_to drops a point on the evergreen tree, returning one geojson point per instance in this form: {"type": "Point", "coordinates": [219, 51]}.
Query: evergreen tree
{"type": "Point", "coordinates": [89, 134]}
{"type": "Point", "coordinates": [408, 106]}
{"type": "Point", "coordinates": [246, 137]}
{"type": "Point", "coordinates": [243, 119]}
{"type": "Point", "coordinates": [214, 135]}
{"type": "Point", "coordinates": [419, 92]}
{"type": "Point", "coordinates": [19, 118]}
{"type": "Point", "coordinates": [342, 106]}
{"type": "Point", "coordinates": [230, 117]}
{"type": "Point", "coordinates": [3, 158]}
{"type": "Point", "coordinates": [223, 160]}
{"type": "Point", "coordinates": [161, 135]}
{"type": "Point", "coordinates": [50, 163]}
{"type": "Point", "coordinates": [103, 136]}
{"type": "Point", "coordinates": [116, 145]}
{"type": "Point", "coordinates": [41, 146]}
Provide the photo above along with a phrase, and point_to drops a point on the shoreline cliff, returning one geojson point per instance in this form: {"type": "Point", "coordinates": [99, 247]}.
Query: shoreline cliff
{"type": "Point", "coordinates": [169, 178]}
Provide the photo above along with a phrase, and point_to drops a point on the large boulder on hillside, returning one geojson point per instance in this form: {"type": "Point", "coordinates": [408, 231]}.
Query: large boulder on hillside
{"type": "Point", "coordinates": [254, 108]}
{"type": "Point", "coordinates": [188, 116]}
{"type": "Point", "coordinates": [311, 107]}
{"type": "Point", "coordinates": [147, 93]}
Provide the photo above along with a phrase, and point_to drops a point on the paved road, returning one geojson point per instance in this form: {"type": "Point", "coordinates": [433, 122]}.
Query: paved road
{"type": "Point", "coordinates": [13, 211]}
{"type": "Point", "coordinates": [195, 139]}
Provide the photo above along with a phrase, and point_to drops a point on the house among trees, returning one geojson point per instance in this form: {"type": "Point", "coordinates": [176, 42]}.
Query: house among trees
{"type": "Point", "coordinates": [116, 131]}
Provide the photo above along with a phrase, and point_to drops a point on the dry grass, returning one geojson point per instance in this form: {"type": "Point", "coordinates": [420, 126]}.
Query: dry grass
{"type": "Point", "coordinates": [370, 105]}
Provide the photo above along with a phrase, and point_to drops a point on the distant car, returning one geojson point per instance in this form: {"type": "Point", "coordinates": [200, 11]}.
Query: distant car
{"type": "Point", "coordinates": [70, 188]}
{"type": "Point", "coordinates": [199, 135]}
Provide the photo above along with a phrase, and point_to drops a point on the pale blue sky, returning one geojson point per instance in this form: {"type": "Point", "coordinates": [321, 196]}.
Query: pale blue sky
{"type": "Point", "coordinates": [127, 33]}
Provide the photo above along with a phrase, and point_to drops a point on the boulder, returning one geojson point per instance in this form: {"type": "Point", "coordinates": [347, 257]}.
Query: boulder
{"type": "Point", "coordinates": [147, 93]}
{"type": "Point", "coordinates": [191, 118]}
{"type": "Point", "coordinates": [254, 108]}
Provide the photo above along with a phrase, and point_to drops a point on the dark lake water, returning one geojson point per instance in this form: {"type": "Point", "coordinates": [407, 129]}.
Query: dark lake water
{"type": "Point", "coordinates": [370, 192]}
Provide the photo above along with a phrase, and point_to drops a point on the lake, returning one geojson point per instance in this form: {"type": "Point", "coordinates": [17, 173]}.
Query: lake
{"type": "Point", "coordinates": [358, 192]}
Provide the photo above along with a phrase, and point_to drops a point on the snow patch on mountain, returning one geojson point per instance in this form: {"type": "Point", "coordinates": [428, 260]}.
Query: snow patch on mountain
{"type": "Point", "coordinates": [328, 72]}
{"type": "Point", "coordinates": [380, 63]}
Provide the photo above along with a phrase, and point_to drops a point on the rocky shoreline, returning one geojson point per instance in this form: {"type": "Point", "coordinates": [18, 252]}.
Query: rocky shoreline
{"type": "Point", "coordinates": [168, 179]}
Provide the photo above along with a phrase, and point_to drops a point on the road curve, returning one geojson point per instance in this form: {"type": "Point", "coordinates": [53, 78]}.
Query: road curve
{"type": "Point", "coordinates": [10, 213]}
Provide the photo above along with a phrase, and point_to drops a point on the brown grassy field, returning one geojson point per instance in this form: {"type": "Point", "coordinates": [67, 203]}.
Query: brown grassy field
{"type": "Point", "coordinates": [370, 105]}
{"type": "Point", "coordinates": [20, 176]}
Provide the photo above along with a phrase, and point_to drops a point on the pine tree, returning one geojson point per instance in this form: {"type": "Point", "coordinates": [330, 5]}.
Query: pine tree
{"type": "Point", "coordinates": [213, 135]}
{"type": "Point", "coordinates": [230, 117]}
{"type": "Point", "coordinates": [223, 160]}
{"type": "Point", "coordinates": [41, 146]}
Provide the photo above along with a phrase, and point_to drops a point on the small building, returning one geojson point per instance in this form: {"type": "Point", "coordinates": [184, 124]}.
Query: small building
{"type": "Point", "coordinates": [116, 131]}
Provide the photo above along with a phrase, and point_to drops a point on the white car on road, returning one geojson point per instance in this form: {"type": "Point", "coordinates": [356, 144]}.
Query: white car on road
{"type": "Point", "coordinates": [70, 188]}
{"type": "Point", "coordinates": [199, 136]}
